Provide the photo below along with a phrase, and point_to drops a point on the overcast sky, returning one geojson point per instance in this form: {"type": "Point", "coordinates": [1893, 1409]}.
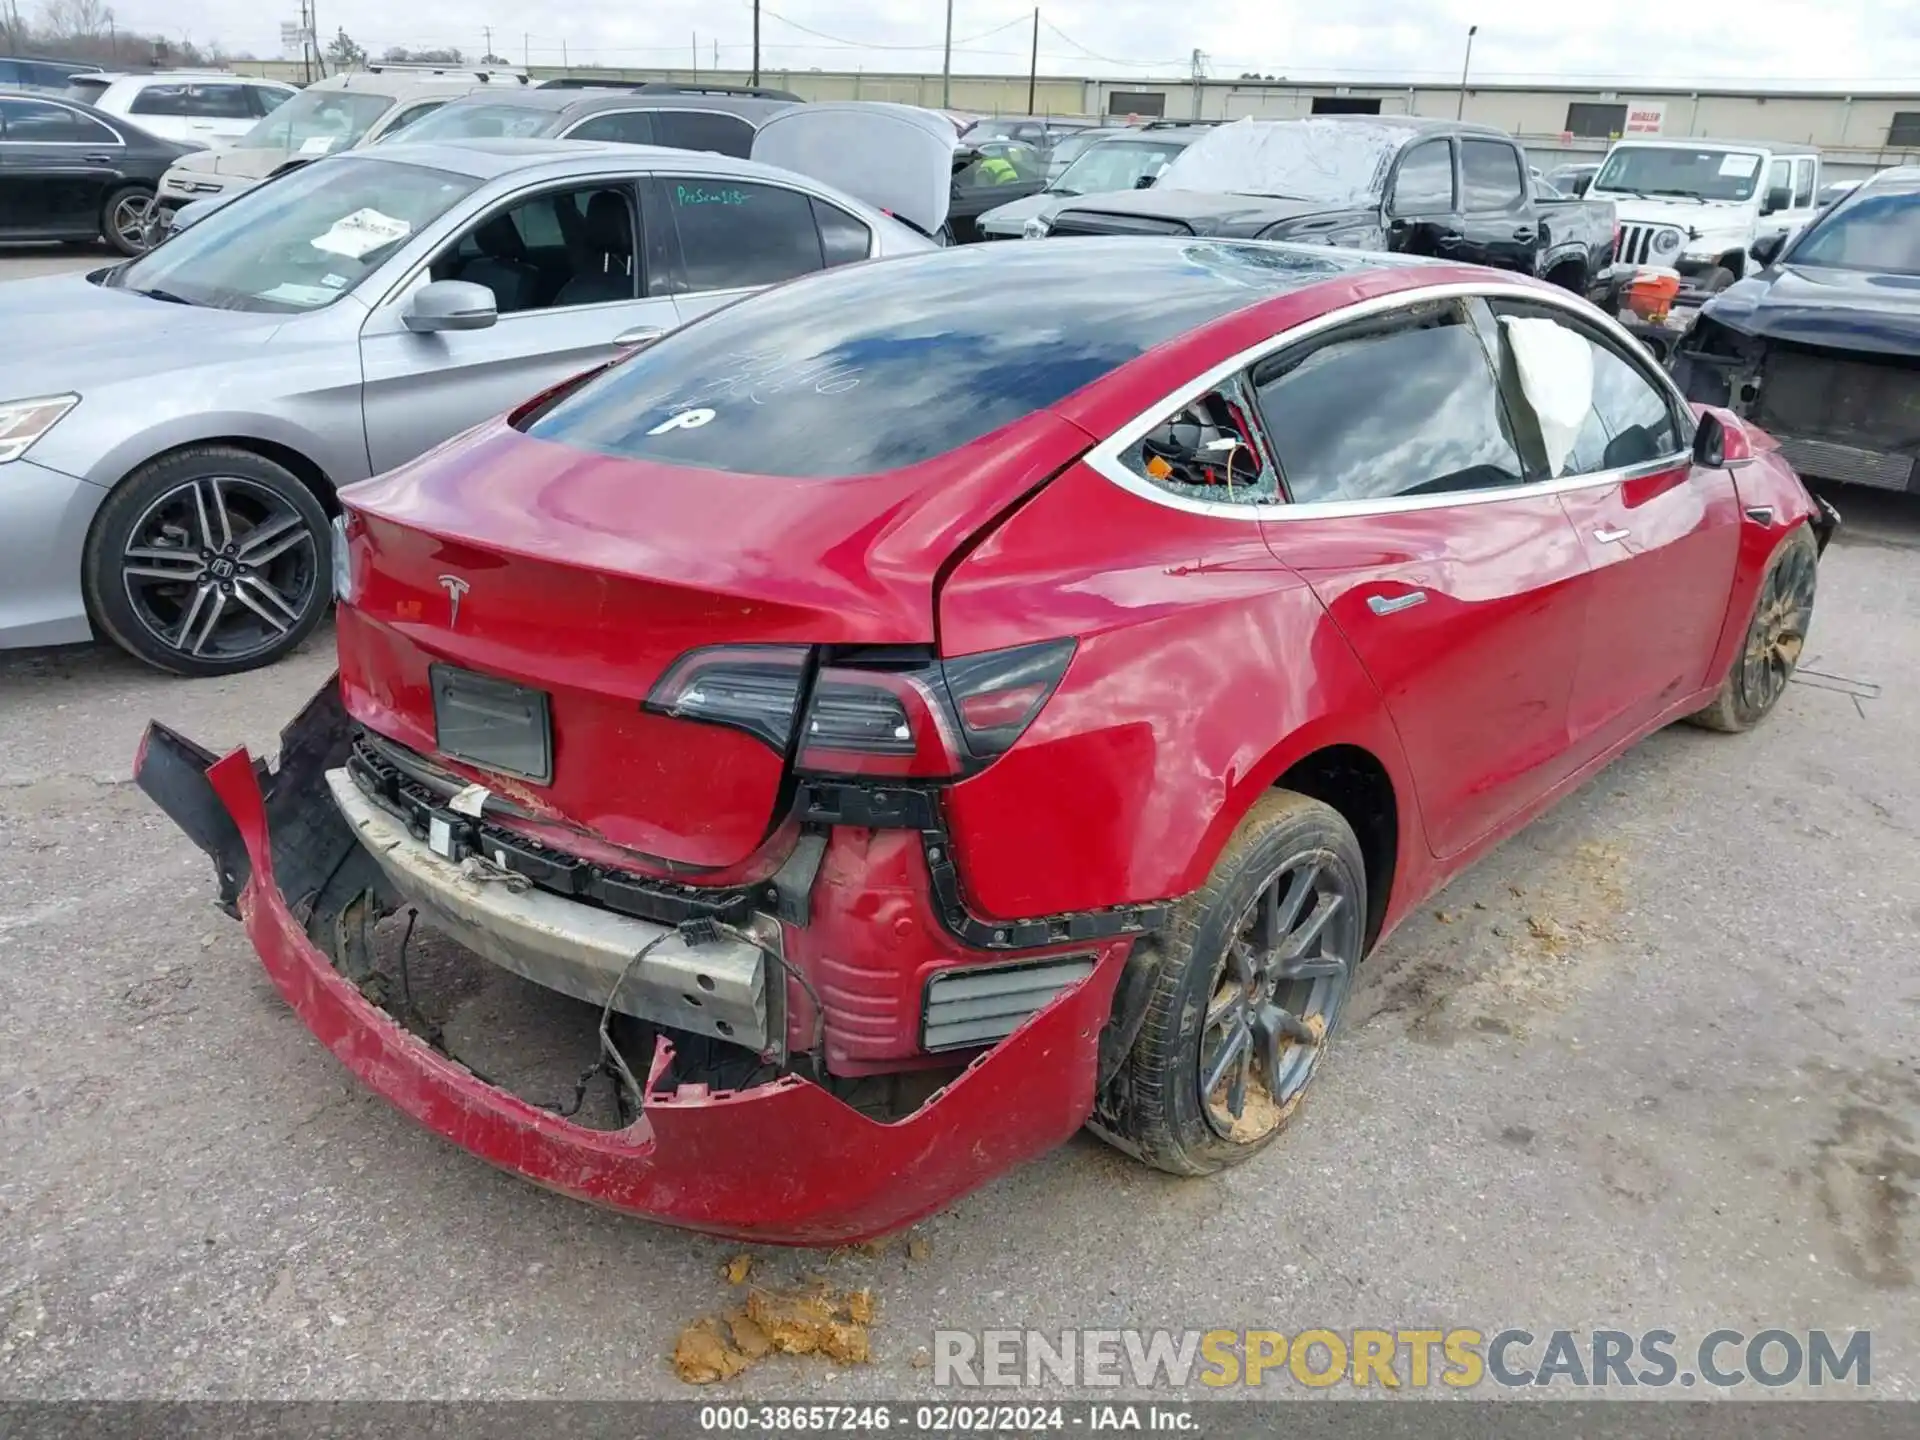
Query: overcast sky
{"type": "Point", "coordinates": [1779, 42]}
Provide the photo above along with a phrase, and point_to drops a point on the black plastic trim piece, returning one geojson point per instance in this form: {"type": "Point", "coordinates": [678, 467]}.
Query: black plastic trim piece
{"type": "Point", "coordinates": [1072, 928]}
{"type": "Point", "coordinates": [790, 892]}
{"type": "Point", "coordinates": [552, 870]}
{"type": "Point", "coordinates": [868, 807]}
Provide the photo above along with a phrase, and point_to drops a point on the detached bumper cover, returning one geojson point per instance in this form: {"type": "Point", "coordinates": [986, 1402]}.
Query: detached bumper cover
{"type": "Point", "coordinates": [784, 1163]}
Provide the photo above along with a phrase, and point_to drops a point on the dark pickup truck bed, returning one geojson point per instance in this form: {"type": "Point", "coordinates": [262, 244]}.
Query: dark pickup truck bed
{"type": "Point", "coordinates": [1398, 183]}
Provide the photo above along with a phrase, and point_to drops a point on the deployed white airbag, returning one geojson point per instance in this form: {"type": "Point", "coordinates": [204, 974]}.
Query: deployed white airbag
{"type": "Point", "coordinates": [1555, 365]}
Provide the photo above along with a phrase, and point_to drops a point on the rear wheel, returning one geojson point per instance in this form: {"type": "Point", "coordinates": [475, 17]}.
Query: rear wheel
{"type": "Point", "coordinates": [208, 562]}
{"type": "Point", "coordinates": [129, 220]}
{"type": "Point", "coordinates": [1774, 640]}
{"type": "Point", "coordinates": [1256, 972]}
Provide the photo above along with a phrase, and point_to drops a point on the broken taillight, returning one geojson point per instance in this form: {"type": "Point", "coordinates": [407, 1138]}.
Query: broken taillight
{"type": "Point", "coordinates": [943, 718]}
{"type": "Point", "coordinates": [873, 713]}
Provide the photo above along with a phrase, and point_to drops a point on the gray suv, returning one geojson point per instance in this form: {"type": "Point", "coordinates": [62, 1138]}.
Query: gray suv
{"type": "Point", "coordinates": [724, 124]}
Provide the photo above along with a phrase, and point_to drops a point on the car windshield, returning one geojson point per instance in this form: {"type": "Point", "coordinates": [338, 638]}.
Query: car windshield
{"type": "Point", "coordinates": [1332, 162]}
{"type": "Point", "coordinates": [481, 122]}
{"type": "Point", "coordinates": [1878, 231]}
{"type": "Point", "coordinates": [317, 122]}
{"type": "Point", "coordinates": [299, 242]}
{"type": "Point", "coordinates": [1680, 172]}
{"type": "Point", "coordinates": [1114, 165]}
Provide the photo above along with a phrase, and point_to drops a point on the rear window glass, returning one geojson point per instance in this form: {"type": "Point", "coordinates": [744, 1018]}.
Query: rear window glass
{"type": "Point", "coordinates": [874, 367]}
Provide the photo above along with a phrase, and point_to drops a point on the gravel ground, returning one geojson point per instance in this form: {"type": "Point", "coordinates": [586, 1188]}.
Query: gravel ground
{"type": "Point", "coordinates": [1654, 1063]}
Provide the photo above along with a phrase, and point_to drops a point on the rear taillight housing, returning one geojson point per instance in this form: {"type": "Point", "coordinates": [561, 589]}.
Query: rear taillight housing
{"type": "Point", "coordinates": [755, 688]}
{"type": "Point", "coordinates": [875, 712]}
{"type": "Point", "coordinates": [941, 719]}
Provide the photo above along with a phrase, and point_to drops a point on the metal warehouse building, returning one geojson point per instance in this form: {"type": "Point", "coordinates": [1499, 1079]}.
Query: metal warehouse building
{"type": "Point", "coordinates": [1857, 133]}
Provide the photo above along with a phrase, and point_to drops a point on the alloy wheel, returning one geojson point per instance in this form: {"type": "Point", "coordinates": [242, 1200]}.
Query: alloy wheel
{"type": "Point", "coordinates": [1275, 995]}
{"type": "Point", "coordinates": [132, 221]}
{"type": "Point", "coordinates": [220, 568]}
{"type": "Point", "coordinates": [1779, 629]}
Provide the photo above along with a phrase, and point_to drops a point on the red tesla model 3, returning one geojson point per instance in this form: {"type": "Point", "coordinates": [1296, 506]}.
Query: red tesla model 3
{"type": "Point", "coordinates": [1043, 671]}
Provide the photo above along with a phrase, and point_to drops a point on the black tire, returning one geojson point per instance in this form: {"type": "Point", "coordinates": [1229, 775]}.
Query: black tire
{"type": "Point", "coordinates": [1155, 1108]}
{"type": "Point", "coordinates": [127, 219]}
{"type": "Point", "coordinates": [1712, 282]}
{"type": "Point", "coordinates": [209, 561]}
{"type": "Point", "coordinates": [1776, 634]}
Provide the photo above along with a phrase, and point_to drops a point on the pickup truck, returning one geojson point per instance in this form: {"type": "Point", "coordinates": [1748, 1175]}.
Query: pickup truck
{"type": "Point", "coordinates": [1377, 182]}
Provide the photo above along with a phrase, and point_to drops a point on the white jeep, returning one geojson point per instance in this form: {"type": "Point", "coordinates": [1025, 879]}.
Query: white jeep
{"type": "Point", "coordinates": [1720, 195]}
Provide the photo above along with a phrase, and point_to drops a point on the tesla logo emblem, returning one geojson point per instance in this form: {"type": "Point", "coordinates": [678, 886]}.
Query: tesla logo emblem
{"type": "Point", "coordinates": [455, 588]}
{"type": "Point", "coordinates": [685, 420]}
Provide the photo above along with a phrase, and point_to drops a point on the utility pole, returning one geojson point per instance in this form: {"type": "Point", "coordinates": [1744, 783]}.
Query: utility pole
{"type": "Point", "coordinates": [1033, 61]}
{"type": "Point", "coordinates": [946, 64]}
{"type": "Point", "coordinates": [565, 63]}
{"type": "Point", "coordinates": [756, 43]}
{"type": "Point", "coordinates": [1199, 78]}
{"type": "Point", "coordinates": [487, 30]}
{"type": "Point", "coordinates": [696, 54]}
{"type": "Point", "coordinates": [526, 51]}
{"type": "Point", "coordinates": [1460, 110]}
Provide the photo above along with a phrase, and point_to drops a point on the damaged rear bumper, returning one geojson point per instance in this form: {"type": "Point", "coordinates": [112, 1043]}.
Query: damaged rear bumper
{"type": "Point", "coordinates": [784, 1162]}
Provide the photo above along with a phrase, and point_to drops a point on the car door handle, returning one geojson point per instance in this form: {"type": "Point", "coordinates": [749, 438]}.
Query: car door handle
{"type": "Point", "coordinates": [98, 159]}
{"type": "Point", "coordinates": [1393, 605]}
{"type": "Point", "coordinates": [1608, 537]}
{"type": "Point", "coordinates": [639, 335]}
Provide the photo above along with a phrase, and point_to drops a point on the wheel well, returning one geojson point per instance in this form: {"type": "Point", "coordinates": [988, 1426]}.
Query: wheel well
{"type": "Point", "coordinates": [1735, 261]}
{"type": "Point", "coordinates": [1569, 275]}
{"type": "Point", "coordinates": [303, 469]}
{"type": "Point", "coordinates": [1357, 785]}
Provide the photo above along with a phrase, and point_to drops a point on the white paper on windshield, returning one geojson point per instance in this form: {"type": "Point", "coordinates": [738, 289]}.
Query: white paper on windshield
{"type": "Point", "coordinates": [361, 233]}
{"type": "Point", "coordinates": [1739, 166]}
{"type": "Point", "coordinates": [1556, 375]}
{"type": "Point", "coordinates": [318, 144]}
{"type": "Point", "coordinates": [294, 294]}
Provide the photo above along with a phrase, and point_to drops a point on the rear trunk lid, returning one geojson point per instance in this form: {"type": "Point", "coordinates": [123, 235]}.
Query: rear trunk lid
{"type": "Point", "coordinates": [897, 158]}
{"type": "Point", "coordinates": [584, 577]}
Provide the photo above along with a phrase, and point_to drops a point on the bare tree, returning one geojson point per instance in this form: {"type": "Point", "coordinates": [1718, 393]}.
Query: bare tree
{"type": "Point", "coordinates": [76, 19]}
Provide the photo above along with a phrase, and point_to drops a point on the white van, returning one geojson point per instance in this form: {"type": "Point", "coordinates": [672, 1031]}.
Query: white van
{"type": "Point", "coordinates": [1723, 195]}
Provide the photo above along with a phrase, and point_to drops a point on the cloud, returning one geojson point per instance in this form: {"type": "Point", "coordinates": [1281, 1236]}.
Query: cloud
{"type": "Point", "coordinates": [1767, 42]}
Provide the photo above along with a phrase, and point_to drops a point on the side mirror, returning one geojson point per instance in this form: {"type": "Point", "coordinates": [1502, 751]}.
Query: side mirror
{"type": "Point", "coordinates": [1145, 182]}
{"type": "Point", "coordinates": [1767, 249]}
{"type": "Point", "coordinates": [1710, 442]}
{"type": "Point", "coordinates": [450, 305]}
{"type": "Point", "coordinates": [1778, 198]}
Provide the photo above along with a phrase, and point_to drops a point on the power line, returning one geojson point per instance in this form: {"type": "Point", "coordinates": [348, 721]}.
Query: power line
{"type": "Point", "coordinates": [876, 45]}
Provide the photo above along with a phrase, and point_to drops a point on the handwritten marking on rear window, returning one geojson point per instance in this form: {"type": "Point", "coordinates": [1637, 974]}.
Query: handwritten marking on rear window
{"type": "Point", "coordinates": [685, 420]}
{"type": "Point", "coordinates": [702, 195]}
{"type": "Point", "coordinates": [759, 375]}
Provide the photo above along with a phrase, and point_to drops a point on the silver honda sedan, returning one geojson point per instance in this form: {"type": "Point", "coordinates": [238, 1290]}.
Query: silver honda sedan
{"type": "Point", "coordinates": [172, 429]}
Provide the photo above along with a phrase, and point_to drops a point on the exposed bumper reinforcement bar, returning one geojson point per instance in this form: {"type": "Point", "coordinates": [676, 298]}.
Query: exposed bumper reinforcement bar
{"type": "Point", "coordinates": [782, 1163]}
{"type": "Point", "coordinates": [718, 988]}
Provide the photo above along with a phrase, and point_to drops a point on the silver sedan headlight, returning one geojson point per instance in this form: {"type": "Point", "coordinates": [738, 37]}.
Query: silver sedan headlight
{"type": "Point", "coordinates": [22, 422]}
